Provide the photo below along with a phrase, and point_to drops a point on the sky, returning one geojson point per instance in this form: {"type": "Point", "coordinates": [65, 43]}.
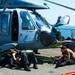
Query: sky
{"type": "Point", "coordinates": [52, 14]}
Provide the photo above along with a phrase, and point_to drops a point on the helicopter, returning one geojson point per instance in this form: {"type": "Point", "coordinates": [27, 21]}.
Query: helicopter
{"type": "Point", "coordinates": [23, 28]}
{"type": "Point", "coordinates": [71, 42]}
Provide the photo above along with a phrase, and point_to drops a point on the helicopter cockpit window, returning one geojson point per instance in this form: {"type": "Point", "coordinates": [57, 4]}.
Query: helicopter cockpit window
{"type": "Point", "coordinates": [39, 20]}
{"type": "Point", "coordinates": [4, 22]}
{"type": "Point", "coordinates": [27, 22]}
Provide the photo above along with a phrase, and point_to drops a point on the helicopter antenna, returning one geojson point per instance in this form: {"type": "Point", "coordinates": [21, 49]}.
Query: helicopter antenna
{"type": "Point", "coordinates": [6, 6]}
{"type": "Point", "coordinates": [60, 5]}
{"type": "Point", "coordinates": [46, 5]}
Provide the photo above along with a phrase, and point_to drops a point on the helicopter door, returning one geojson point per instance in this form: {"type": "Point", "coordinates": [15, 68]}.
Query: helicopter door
{"type": "Point", "coordinates": [15, 26]}
{"type": "Point", "coordinates": [27, 30]}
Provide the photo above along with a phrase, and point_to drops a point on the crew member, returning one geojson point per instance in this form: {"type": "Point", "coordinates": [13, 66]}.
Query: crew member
{"type": "Point", "coordinates": [24, 59]}
{"type": "Point", "coordinates": [67, 58]}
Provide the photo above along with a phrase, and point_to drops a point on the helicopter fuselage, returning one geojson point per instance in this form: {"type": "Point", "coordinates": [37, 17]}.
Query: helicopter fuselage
{"type": "Point", "coordinates": [18, 26]}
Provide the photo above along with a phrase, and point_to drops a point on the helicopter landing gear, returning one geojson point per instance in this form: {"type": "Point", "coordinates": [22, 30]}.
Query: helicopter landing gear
{"type": "Point", "coordinates": [36, 51]}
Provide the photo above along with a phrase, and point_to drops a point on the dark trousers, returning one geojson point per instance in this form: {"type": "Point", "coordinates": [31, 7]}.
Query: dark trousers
{"type": "Point", "coordinates": [66, 62]}
{"type": "Point", "coordinates": [27, 59]}
{"type": "Point", "coordinates": [7, 60]}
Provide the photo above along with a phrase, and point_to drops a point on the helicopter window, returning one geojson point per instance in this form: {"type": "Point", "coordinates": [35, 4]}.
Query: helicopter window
{"type": "Point", "coordinates": [4, 22]}
{"type": "Point", "coordinates": [38, 20]}
{"type": "Point", "coordinates": [27, 22]}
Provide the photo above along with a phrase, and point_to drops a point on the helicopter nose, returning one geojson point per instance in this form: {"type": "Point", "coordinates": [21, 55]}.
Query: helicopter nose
{"type": "Point", "coordinates": [47, 38]}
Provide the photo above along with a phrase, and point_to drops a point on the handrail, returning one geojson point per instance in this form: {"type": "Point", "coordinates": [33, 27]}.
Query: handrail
{"type": "Point", "coordinates": [72, 31]}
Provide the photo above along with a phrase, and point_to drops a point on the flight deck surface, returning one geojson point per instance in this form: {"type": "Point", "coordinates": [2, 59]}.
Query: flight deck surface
{"type": "Point", "coordinates": [43, 68]}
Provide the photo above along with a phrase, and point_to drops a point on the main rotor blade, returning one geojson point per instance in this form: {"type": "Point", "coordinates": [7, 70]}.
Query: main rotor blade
{"type": "Point", "coordinates": [60, 5]}
{"type": "Point", "coordinates": [24, 4]}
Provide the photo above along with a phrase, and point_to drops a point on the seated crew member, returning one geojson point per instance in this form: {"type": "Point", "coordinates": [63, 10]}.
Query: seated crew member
{"type": "Point", "coordinates": [24, 59]}
{"type": "Point", "coordinates": [69, 38]}
{"type": "Point", "coordinates": [7, 59]}
{"type": "Point", "coordinates": [67, 58]}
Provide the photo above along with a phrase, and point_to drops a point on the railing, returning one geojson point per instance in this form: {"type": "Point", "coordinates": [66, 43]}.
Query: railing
{"type": "Point", "coordinates": [67, 32]}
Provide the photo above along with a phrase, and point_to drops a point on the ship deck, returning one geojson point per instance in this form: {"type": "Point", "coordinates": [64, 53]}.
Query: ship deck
{"type": "Point", "coordinates": [44, 68]}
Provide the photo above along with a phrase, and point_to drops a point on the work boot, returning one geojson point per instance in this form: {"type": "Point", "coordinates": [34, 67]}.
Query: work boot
{"type": "Point", "coordinates": [35, 66]}
{"type": "Point", "coordinates": [29, 65]}
{"type": "Point", "coordinates": [27, 68]}
{"type": "Point", "coordinates": [10, 66]}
